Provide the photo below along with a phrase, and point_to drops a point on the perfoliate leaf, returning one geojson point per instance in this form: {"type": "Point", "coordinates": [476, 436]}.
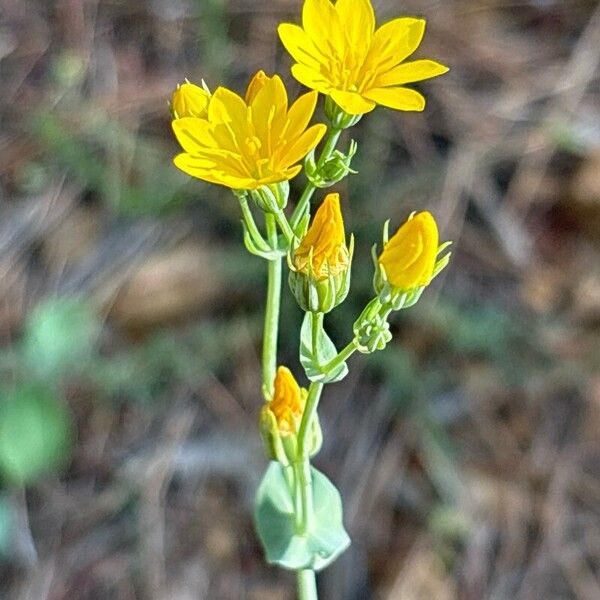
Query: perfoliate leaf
{"type": "Point", "coordinates": [313, 361]}
{"type": "Point", "coordinates": [34, 433]}
{"type": "Point", "coordinates": [276, 523]}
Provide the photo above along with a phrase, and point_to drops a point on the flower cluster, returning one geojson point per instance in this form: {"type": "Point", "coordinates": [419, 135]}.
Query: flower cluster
{"type": "Point", "coordinates": [254, 145]}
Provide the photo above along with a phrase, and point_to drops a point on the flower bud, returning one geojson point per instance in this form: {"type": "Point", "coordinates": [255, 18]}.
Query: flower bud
{"type": "Point", "coordinates": [371, 329]}
{"type": "Point", "coordinates": [320, 264]}
{"type": "Point", "coordinates": [190, 100]}
{"type": "Point", "coordinates": [409, 261]}
{"type": "Point", "coordinates": [336, 167]}
{"type": "Point", "coordinates": [281, 417]}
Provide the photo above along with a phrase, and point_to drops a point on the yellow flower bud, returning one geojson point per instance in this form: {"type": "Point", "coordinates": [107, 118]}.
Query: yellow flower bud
{"type": "Point", "coordinates": [409, 258]}
{"type": "Point", "coordinates": [288, 402]}
{"type": "Point", "coordinates": [190, 100]}
{"type": "Point", "coordinates": [323, 252]}
{"type": "Point", "coordinates": [281, 417]}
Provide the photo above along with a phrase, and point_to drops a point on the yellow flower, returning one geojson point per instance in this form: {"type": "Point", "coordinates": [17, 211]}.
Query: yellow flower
{"type": "Point", "coordinates": [323, 252]}
{"type": "Point", "coordinates": [251, 142]}
{"type": "Point", "coordinates": [288, 402]}
{"type": "Point", "coordinates": [410, 257]}
{"type": "Point", "coordinates": [339, 52]}
{"type": "Point", "coordinates": [189, 100]}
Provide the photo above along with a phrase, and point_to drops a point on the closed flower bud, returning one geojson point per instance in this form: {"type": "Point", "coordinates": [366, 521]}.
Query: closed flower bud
{"type": "Point", "coordinates": [409, 257]}
{"type": "Point", "coordinates": [371, 329]}
{"type": "Point", "coordinates": [335, 168]}
{"type": "Point", "coordinates": [281, 417]}
{"type": "Point", "coordinates": [288, 402]}
{"type": "Point", "coordinates": [409, 261]}
{"type": "Point", "coordinates": [190, 100]}
{"type": "Point", "coordinates": [320, 264]}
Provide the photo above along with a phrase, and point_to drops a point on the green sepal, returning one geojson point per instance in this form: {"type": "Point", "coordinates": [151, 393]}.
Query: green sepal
{"type": "Point", "coordinates": [319, 295]}
{"type": "Point", "coordinates": [259, 247]}
{"type": "Point", "coordinates": [326, 351]}
{"type": "Point", "coordinates": [275, 518]}
{"type": "Point", "coordinates": [338, 117]}
{"type": "Point", "coordinates": [271, 198]}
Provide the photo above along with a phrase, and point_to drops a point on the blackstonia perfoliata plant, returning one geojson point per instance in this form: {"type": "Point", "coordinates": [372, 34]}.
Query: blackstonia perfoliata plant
{"type": "Point", "coordinates": [254, 145]}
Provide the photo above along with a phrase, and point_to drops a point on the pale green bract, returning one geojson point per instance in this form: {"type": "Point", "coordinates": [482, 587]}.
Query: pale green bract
{"type": "Point", "coordinates": [325, 538]}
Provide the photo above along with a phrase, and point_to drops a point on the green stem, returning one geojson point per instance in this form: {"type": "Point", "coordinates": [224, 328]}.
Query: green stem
{"type": "Point", "coordinates": [285, 226]}
{"type": "Point", "coordinates": [307, 585]}
{"type": "Point", "coordinates": [269, 357]}
{"type": "Point", "coordinates": [316, 328]}
{"type": "Point", "coordinates": [310, 410]}
{"type": "Point", "coordinates": [341, 357]}
{"type": "Point", "coordinates": [250, 223]}
{"type": "Point", "coordinates": [302, 206]}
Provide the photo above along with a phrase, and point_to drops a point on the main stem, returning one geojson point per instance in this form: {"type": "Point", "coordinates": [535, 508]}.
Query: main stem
{"type": "Point", "coordinates": [307, 585]}
{"type": "Point", "coordinates": [269, 357]}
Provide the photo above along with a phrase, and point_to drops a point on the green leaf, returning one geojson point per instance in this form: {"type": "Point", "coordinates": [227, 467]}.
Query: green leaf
{"type": "Point", "coordinates": [34, 433]}
{"type": "Point", "coordinates": [275, 522]}
{"type": "Point", "coordinates": [59, 335]}
{"type": "Point", "coordinates": [325, 351]}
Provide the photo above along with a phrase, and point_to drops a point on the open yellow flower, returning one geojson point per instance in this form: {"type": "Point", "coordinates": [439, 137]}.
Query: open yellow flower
{"type": "Point", "coordinates": [251, 142]}
{"type": "Point", "coordinates": [323, 252]}
{"type": "Point", "coordinates": [288, 402]}
{"type": "Point", "coordinates": [410, 257]}
{"type": "Point", "coordinates": [190, 100]}
{"type": "Point", "coordinates": [339, 52]}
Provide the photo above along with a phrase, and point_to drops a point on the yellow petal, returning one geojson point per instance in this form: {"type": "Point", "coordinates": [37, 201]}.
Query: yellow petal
{"type": "Point", "coordinates": [311, 79]}
{"type": "Point", "coordinates": [227, 107]}
{"type": "Point", "coordinates": [256, 84]}
{"type": "Point", "coordinates": [300, 46]}
{"type": "Point", "coordinates": [395, 41]}
{"type": "Point", "coordinates": [269, 92]}
{"type": "Point", "coordinates": [281, 175]}
{"type": "Point", "coordinates": [303, 145]}
{"type": "Point", "coordinates": [269, 109]}
{"type": "Point", "coordinates": [193, 134]}
{"type": "Point", "coordinates": [300, 114]}
{"type": "Point", "coordinates": [410, 72]}
{"type": "Point", "coordinates": [409, 257]}
{"type": "Point", "coordinates": [358, 21]}
{"type": "Point", "coordinates": [398, 98]}
{"type": "Point", "coordinates": [352, 103]}
{"type": "Point", "coordinates": [196, 168]}
{"type": "Point", "coordinates": [220, 159]}
{"type": "Point", "coordinates": [322, 24]}
{"type": "Point", "coordinates": [290, 173]}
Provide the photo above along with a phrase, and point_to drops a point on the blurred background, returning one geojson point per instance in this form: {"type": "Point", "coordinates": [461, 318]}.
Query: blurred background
{"type": "Point", "coordinates": [467, 453]}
